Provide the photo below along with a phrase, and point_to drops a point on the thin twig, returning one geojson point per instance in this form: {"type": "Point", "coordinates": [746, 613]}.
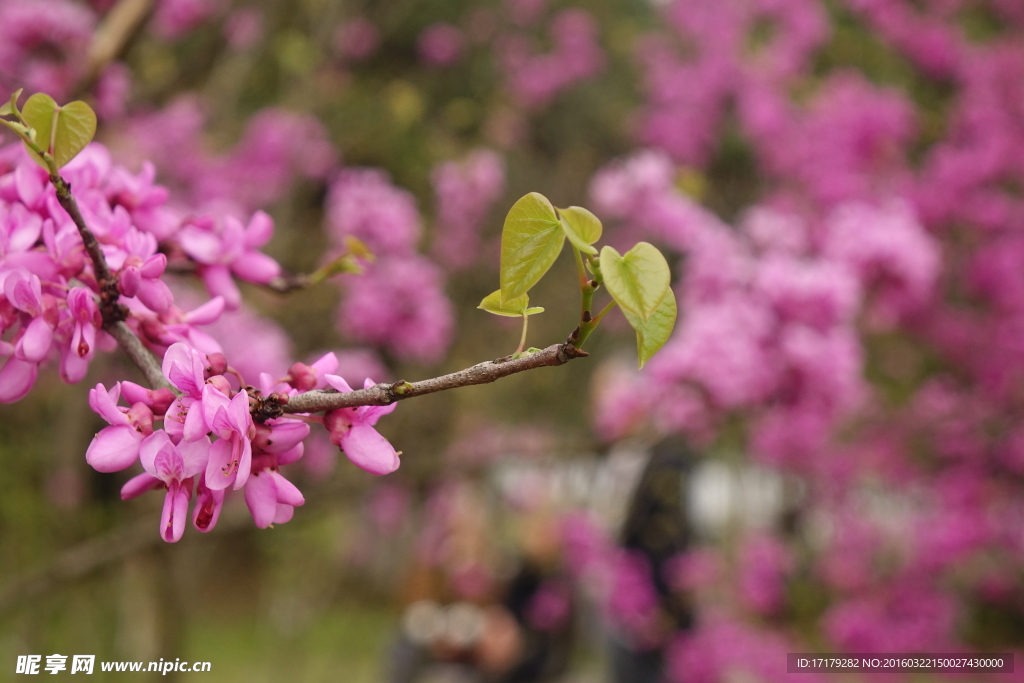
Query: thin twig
{"type": "Point", "coordinates": [110, 38]}
{"type": "Point", "coordinates": [113, 313]}
{"type": "Point", "coordinates": [143, 358]}
{"type": "Point", "coordinates": [386, 394]}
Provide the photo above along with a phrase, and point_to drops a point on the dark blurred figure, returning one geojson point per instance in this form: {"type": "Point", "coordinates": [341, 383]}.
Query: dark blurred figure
{"type": "Point", "coordinates": [656, 527]}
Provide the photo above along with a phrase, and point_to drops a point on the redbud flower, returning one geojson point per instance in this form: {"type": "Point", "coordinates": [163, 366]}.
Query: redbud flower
{"type": "Point", "coordinates": [231, 454]}
{"type": "Point", "coordinates": [352, 430]}
{"type": "Point", "coordinates": [116, 447]}
{"type": "Point", "coordinates": [271, 498]}
{"type": "Point", "coordinates": [173, 467]}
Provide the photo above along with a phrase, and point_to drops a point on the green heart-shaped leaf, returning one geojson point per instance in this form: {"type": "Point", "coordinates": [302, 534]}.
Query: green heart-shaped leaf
{"type": "Point", "coordinates": [62, 131]}
{"type": "Point", "coordinates": [581, 227]}
{"type": "Point", "coordinates": [513, 308]}
{"type": "Point", "coordinates": [531, 241]}
{"type": "Point", "coordinates": [637, 280]}
{"type": "Point", "coordinates": [652, 334]}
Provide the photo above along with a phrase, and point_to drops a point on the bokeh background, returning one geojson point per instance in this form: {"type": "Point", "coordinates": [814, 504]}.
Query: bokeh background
{"type": "Point", "coordinates": [826, 457]}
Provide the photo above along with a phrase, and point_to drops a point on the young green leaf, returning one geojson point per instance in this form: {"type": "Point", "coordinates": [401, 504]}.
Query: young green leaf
{"type": "Point", "coordinates": [16, 127]}
{"type": "Point", "coordinates": [512, 308]}
{"type": "Point", "coordinates": [531, 241]}
{"type": "Point", "coordinates": [637, 280]}
{"type": "Point", "coordinates": [10, 107]}
{"type": "Point", "coordinates": [581, 227]}
{"type": "Point", "coordinates": [652, 334]}
{"type": "Point", "coordinates": [62, 131]}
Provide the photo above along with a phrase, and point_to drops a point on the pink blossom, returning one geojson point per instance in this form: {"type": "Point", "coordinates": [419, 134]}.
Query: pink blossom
{"type": "Point", "coordinates": [440, 44]}
{"type": "Point", "coordinates": [890, 251]}
{"type": "Point", "coordinates": [465, 192]}
{"type": "Point", "coordinates": [113, 90]}
{"type": "Point", "coordinates": [174, 468]}
{"type": "Point", "coordinates": [364, 204]}
{"type": "Point", "coordinates": [244, 28]}
{"type": "Point", "coordinates": [230, 248]}
{"type": "Point", "coordinates": [87, 322]}
{"type": "Point", "coordinates": [231, 455]}
{"type": "Point", "coordinates": [175, 18]}
{"type": "Point", "coordinates": [17, 378]}
{"type": "Point", "coordinates": [399, 303]}
{"type": "Point", "coordinates": [535, 78]}
{"type": "Point", "coordinates": [352, 430]}
{"type": "Point", "coordinates": [356, 39]}
{"type": "Point", "coordinates": [116, 447]}
{"type": "Point", "coordinates": [43, 45]}
{"type": "Point", "coordinates": [271, 498]}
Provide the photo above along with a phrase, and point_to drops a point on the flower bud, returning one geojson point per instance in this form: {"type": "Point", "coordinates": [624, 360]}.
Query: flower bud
{"type": "Point", "coordinates": [129, 280]}
{"type": "Point", "coordinates": [221, 384]}
{"type": "Point", "coordinates": [141, 418]}
{"type": "Point", "coordinates": [217, 364]}
{"type": "Point", "coordinates": [303, 377]}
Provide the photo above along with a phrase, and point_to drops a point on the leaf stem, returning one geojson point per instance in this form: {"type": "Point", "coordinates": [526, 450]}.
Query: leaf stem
{"type": "Point", "coordinates": [604, 311]}
{"type": "Point", "coordinates": [522, 339]}
{"type": "Point", "coordinates": [579, 268]}
{"type": "Point", "coordinates": [588, 327]}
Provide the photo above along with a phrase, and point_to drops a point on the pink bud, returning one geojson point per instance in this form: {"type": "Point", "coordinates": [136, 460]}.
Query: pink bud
{"type": "Point", "coordinates": [217, 364]}
{"type": "Point", "coordinates": [141, 416]}
{"type": "Point", "coordinates": [221, 384]}
{"type": "Point", "coordinates": [129, 280]}
{"type": "Point", "coordinates": [303, 377]}
{"type": "Point", "coordinates": [161, 400]}
{"type": "Point", "coordinates": [338, 423]}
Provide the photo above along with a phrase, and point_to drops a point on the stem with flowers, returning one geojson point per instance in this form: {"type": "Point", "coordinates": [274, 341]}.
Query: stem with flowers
{"type": "Point", "coordinates": [201, 428]}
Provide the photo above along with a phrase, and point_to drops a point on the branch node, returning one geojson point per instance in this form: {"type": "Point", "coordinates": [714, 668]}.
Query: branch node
{"type": "Point", "coordinates": [401, 387]}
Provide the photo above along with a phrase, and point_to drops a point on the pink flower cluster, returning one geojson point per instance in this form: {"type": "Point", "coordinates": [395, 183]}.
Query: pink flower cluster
{"type": "Point", "coordinates": [618, 580]}
{"type": "Point", "coordinates": [535, 78]}
{"type": "Point", "coordinates": [276, 147]}
{"type": "Point", "coordinates": [862, 321]}
{"type": "Point", "coordinates": [50, 308]}
{"type": "Point", "coordinates": [43, 45]}
{"type": "Point", "coordinates": [399, 302]}
{"type": "Point", "coordinates": [465, 191]}
{"type": "Point", "coordinates": [771, 307]}
{"type": "Point", "coordinates": [726, 648]}
{"type": "Point", "coordinates": [209, 443]}
{"type": "Point", "coordinates": [440, 44]}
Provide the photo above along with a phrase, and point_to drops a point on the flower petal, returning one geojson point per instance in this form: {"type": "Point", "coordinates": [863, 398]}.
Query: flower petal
{"type": "Point", "coordinates": [261, 497]}
{"type": "Point", "coordinates": [337, 382]}
{"type": "Point", "coordinates": [139, 484]}
{"type": "Point", "coordinates": [35, 343]}
{"type": "Point", "coordinates": [256, 267]}
{"type": "Point", "coordinates": [287, 492]}
{"type": "Point", "coordinates": [114, 448]}
{"type": "Point", "coordinates": [175, 512]}
{"type": "Point", "coordinates": [194, 455]}
{"type": "Point", "coordinates": [184, 366]}
{"type": "Point", "coordinates": [220, 473]}
{"type": "Point", "coordinates": [16, 379]}
{"type": "Point", "coordinates": [284, 436]}
{"type": "Point", "coordinates": [104, 404]}
{"type": "Point", "coordinates": [370, 451]}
